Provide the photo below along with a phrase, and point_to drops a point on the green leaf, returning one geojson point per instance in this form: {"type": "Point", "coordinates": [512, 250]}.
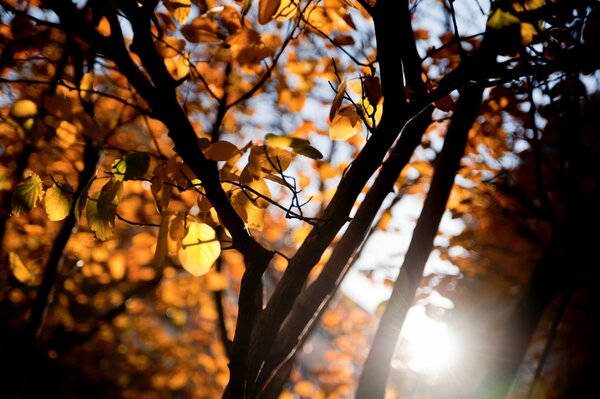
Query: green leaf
{"type": "Point", "coordinates": [82, 199]}
{"type": "Point", "coordinates": [132, 166]}
{"type": "Point", "coordinates": [27, 194]}
{"type": "Point", "coordinates": [199, 249]}
{"type": "Point", "coordinates": [58, 201]}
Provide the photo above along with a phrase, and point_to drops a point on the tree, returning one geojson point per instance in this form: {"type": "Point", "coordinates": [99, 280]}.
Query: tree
{"type": "Point", "coordinates": [142, 139]}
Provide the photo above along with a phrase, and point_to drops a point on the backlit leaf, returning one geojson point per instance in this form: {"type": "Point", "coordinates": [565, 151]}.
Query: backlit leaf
{"type": "Point", "coordinates": [58, 201]}
{"type": "Point", "coordinates": [180, 9]}
{"type": "Point", "coordinates": [21, 271]}
{"type": "Point", "coordinates": [133, 166]}
{"type": "Point", "coordinates": [337, 100]}
{"type": "Point", "coordinates": [199, 249]}
{"type": "Point", "coordinates": [345, 124]}
{"type": "Point", "coordinates": [27, 194]}
{"type": "Point", "coordinates": [221, 151]}
{"type": "Point", "coordinates": [101, 226]}
{"type": "Point", "coordinates": [251, 214]}
{"type": "Point", "coordinates": [298, 145]}
{"type": "Point", "coordinates": [267, 9]}
{"type": "Point", "coordinates": [268, 160]}
{"type": "Point", "coordinates": [109, 198]}
{"type": "Point", "coordinates": [82, 199]}
{"type": "Point", "coordinates": [501, 19]}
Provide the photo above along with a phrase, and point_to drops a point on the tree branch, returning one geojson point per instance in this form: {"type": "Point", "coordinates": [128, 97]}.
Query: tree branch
{"type": "Point", "coordinates": [373, 379]}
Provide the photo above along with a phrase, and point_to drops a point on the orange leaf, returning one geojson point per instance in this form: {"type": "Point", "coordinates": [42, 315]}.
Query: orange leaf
{"type": "Point", "coordinates": [267, 9]}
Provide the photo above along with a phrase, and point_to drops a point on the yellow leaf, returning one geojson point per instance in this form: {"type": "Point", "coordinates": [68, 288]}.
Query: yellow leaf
{"type": "Point", "coordinates": [58, 202]}
{"type": "Point", "coordinates": [267, 9]}
{"type": "Point", "coordinates": [268, 160]}
{"type": "Point", "coordinates": [252, 215]}
{"type": "Point", "coordinates": [27, 194]}
{"type": "Point", "coordinates": [221, 151]}
{"type": "Point", "coordinates": [101, 225]}
{"type": "Point", "coordinates": [21, 271]}
{"type": "Point", "coordinates": [528, 31]}
{"type": "Point", "coordinates": [345, 124]}
{"type": "Point", "coordinates": [298, 145]}
{"type": "Point", "coordinates": [287, 10]}
{"type": "Point", "coordinates": [199, 249]}
{"type": "Point", "coordinates": [179, 8]}
{"type": "Point", "coordinates": [501, 19]}
{"type": "Point", "coordinates": [259, 186]}
{"type": "Point", "coordinates": [337, 101]}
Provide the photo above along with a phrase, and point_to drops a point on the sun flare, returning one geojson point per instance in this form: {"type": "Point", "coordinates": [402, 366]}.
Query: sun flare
{"type": "Point", "coordinates": [430, 348]}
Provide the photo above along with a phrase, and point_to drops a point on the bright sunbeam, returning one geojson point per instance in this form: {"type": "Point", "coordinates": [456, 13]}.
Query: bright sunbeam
{"type": "Point", "coordinates": [430, 348]}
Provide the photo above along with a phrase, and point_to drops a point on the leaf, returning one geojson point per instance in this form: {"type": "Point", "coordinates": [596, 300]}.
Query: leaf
{"type": "Point", "coordinates": [180, 9]}
{"type": "Point", "coordinates": [267, 9]}
{"type": "Point", "coordinates": [102, 209]}
{"type": "Point", "coordinates": [200, 248]}
{"type": "Point", "coordinates": [21, 271]}
{"type": "Point", "coordinates": [259, 186]}
{"type": "Point", "coordinates": [27, 194]}
{"type": "Point", "coordinates": [82, 199]}
{"type": "Point", "coordinates": [162, 241]}
{"type": "Point", "coordinates": [109, 198]}
{"type": "Point", "coordinates": [267, 160]}
{"type": "Point", "coordinates": [202, 29]}
{"type": "Point", "coordinates": [251, 214]}
{"type": "Point", "coordinates": [246, 7]}
{"type": "Point", "coordinates": [132, 166]}
{"type": "Point", "coordinates": [445, 104]}
{"type": "Point", "coordinates": [104, 27]}
{"type": "Point", "coordinates": [221, 151]}
{"type": "Point", "coordinates": [372, 87]}
{"type": "Point", "coordinates": [170, 47]}
{"type": "Point", "coordinates": [345, 124]}
{"type": "Point", "coordinates": [501, 19]}
{"type": "Point", "coordinates": [101, 225]}
{"type": "Point", "coordinates": [337, 100]}
{"type": "Point", "coordinates": [58, 201]}
{"type": "Point", "coordinates": [162, 192]}
{"type": "Point", "coordinates": [298, 145]}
